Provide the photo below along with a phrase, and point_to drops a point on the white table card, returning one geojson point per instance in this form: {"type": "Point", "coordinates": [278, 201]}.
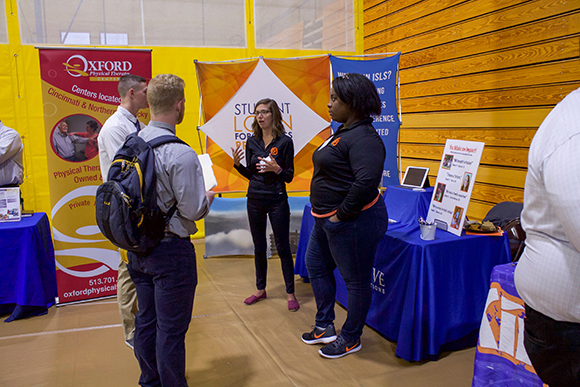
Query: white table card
{"type": "Point", "coordinates": [452, 190]}
{"type": "Point", "coordinates": [9, 204]}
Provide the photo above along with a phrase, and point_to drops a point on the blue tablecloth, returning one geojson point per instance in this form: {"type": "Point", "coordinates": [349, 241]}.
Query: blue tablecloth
{"type": "Point", "coordinates": [428, 295]}
{"type": "Point", "coordinates": [404, 205]}
{"type": "Point", "coordinates": [27, 267]}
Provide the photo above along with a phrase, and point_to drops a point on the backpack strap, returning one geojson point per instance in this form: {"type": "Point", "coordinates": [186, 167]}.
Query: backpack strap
{"type": "Point", "coordinates": [170, 213]}
{"type": "Point", "coordinates": [158, 141]}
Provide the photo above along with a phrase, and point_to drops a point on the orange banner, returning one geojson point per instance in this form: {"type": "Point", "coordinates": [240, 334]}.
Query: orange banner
{"type": "Point", "coordinates": [306, 79]}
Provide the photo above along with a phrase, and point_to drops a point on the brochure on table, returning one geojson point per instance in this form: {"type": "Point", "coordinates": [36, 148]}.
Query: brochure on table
{"type": "Point", "coordinates": [454, 184]}
{"type": "Point", "coordinates": [9, 204]}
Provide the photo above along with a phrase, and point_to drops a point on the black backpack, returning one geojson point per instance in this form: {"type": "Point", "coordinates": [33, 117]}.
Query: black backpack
{"type": "Point", "coordinates": [126, 205]}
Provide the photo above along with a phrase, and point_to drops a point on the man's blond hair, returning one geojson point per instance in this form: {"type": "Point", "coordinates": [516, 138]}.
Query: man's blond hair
{"type": "Point", "coordinates": [163, 92]}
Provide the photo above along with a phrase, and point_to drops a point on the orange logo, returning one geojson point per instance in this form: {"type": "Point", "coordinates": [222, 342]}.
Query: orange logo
{"type": "Point", "coordinates": [335, 142]}
{"type": "Point", "coordinates": [351, 348]}
{"type": "Point", "coordinates": [318, 336]}
{"type": "Point", "coordinates": [274, 151]}
{"type": "Point", "coordinates": [503, 321]}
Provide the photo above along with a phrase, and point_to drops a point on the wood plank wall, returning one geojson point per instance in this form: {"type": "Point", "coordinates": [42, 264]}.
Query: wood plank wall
{"type": "Point", "coordinates": [479, 70]}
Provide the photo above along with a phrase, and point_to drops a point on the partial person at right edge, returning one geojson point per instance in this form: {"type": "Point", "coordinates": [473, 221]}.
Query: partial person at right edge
{"type": "Point", "coordinates": [11, 165]}
{"type": "Point", "coordinates": [547, 276]}
{"type": "Point", "coordinates": [270, 166]}
{"type": "Point", "coordinates": [133, 92]}
{"type": "Point", "coordinates": [166, 277]}
{"type": "Point", "coordinates": [349, 212]}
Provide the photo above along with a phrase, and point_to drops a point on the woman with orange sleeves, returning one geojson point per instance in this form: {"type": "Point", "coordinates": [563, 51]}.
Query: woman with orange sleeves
{"type": "Point", "coordinates": [350, 215]}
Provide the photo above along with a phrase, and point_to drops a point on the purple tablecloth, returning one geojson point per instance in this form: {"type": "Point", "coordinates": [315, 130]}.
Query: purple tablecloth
{"type": "Point", "coordinates": [501, 358]}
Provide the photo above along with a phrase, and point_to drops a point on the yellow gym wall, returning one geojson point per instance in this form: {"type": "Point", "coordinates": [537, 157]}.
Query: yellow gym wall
{"type": "Point", "coordinates": [479, 70]}
{"type": "Point", "coordinates": [21, 105]}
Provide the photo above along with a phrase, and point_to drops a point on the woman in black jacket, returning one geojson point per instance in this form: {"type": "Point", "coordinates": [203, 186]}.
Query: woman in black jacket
{"type": "Point", "coordinates": [270, 165]}
{"type": "Point", "coordinates": [350, 214]}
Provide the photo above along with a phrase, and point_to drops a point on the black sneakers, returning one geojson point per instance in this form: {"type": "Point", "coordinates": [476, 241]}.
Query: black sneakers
{"type": "Point", "coordinates": [339, 348]}
{"type": "Point", "coordinates": [320, 335]}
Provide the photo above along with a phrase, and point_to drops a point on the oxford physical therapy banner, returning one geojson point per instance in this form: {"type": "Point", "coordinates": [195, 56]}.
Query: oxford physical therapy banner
{"type": "Point", "coordinates": [229, 92]}
{"type": "Point", "coordinates": [383, 73]}
{"type": "Point", "coordinates": [79, 90]}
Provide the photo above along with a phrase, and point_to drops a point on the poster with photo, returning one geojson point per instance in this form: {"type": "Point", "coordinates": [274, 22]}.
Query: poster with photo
{"type": "Point", "coordinates": [454, 184]}
{"type": "Point", "coordinates": [10, 204]}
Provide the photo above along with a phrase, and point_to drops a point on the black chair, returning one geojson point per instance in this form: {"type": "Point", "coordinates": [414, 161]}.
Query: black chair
{"type": "Point", "coordinates": [517, 237]}
{"type": "Point", "coordinates": [504, 212]}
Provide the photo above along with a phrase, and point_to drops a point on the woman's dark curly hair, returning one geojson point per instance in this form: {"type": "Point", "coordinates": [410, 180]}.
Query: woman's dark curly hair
{"type": "Point", "coordinates": [358, 93]}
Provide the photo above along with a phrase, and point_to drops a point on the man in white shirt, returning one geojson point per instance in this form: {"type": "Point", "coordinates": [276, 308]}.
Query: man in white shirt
{"type": "Point", "coordinates": [133, 92]}
{"type": "Point", "coordinates": [11, 166]}
{"type": "Point", "coordinates": [548, 273]}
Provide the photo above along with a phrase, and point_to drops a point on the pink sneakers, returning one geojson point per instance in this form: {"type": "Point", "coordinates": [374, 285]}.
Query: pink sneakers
{"type": "Point", "coordinates": [253, 299]}
{"type": "Point", "coordinates": [293, 305]}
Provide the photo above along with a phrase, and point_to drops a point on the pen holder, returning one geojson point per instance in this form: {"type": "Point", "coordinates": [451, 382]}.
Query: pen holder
{"type": "Point", "coordinates": [428, 231]}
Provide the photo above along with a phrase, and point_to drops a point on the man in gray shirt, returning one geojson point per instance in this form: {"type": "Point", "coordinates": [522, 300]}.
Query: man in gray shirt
{"type": "Point", "coordinates": [166, 278]}
{"type": "Point", "coordinates": [63, 143]}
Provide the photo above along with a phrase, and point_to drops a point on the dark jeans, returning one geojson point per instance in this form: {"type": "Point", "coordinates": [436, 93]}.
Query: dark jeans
{"type": "Point", "coordinates": [165, 281]}
{"type": "Point", "coordinates": [279, 213]}
{"type": "Point", "coordinates": [350, 246]}
{"type": "Point", "coordinates": [554, 348]}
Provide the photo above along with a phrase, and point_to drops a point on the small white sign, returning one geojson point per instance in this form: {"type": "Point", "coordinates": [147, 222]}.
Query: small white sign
{"type": "Point", "coordinates": [454, 184]}
{"type": "Point", "coordinates": [208, 175]}
{"type": "Point", "coordinates": [9, 204]}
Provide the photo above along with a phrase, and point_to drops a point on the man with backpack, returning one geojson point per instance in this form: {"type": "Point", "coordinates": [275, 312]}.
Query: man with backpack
{"type": "Point", "coordinates": [133, 92]}
{"type": "Point", "coordinates": [166, 277]}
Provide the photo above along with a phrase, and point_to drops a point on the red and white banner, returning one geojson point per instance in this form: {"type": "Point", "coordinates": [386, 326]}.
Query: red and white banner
{"type": "Point", "coordinates": [79, 89]}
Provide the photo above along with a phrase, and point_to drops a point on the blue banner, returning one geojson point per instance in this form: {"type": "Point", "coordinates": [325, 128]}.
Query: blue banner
{"type": "Point", "coordinates": [383, 73]}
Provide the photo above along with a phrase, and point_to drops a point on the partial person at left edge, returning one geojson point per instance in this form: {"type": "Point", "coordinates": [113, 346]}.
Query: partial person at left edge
{"type": "Point", "coordinates": [11, 165]}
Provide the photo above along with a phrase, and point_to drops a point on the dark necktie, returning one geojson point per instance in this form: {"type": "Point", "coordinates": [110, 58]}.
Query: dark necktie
{"type": "Point", "coordinates": [137, 126]}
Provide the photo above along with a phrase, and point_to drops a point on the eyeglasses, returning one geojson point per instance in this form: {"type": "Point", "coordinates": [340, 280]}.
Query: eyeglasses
{"type": "Point", "coordinates": [262, 112]}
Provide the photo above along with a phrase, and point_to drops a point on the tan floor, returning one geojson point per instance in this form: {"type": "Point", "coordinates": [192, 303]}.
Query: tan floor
{"type": "Point", "coordinates": [228, 343]}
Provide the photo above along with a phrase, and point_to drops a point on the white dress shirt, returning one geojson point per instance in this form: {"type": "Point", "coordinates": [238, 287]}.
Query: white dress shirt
{"type": "Point", "coordinates": [548, 274]}
{"type": "Point", "coordinates": [112, 135]}
{"type": "Point", "coordinates": [11, 166]}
